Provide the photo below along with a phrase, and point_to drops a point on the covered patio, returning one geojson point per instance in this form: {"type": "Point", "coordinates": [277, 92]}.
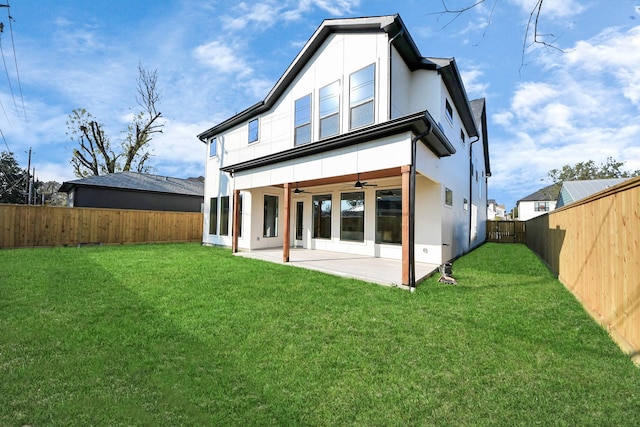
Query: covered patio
{"type": "Point", "coordinates": [382, 271]}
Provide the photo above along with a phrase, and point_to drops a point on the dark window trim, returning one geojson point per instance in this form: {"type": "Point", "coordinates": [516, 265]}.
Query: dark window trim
{"type": "Point", "coordinates": [257, 138]}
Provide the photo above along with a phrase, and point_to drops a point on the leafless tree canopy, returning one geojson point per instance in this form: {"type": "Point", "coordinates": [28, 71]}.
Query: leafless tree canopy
{"type": "Point", "coordinates": [532, 35]}
{"type": "Point", "coordinates": [94, 155]}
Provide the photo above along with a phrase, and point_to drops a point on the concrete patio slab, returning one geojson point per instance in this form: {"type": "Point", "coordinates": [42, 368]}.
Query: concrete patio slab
{"type": "Point", "coordinates": [382, 271]}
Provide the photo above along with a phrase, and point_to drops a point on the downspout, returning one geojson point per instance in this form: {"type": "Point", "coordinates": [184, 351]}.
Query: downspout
{"type": "Point", "coordinates": [471, 187]}
{"type": "Point", "coordinates": [412, 207]}
{"type": "Point", "coordinates": [391, 40]}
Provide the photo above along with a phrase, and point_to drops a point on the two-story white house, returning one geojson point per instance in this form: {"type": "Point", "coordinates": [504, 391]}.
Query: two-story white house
{"type": "Point", "coordinates": [362, 146]}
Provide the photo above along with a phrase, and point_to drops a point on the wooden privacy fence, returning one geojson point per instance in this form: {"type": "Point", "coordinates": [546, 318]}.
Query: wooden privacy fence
{"type": "Point", "coordinates": [594, 247]}
{"type": "Point", "coordinates": [506, 231]}
{"type": "Point", "coordinates": [31, 226]}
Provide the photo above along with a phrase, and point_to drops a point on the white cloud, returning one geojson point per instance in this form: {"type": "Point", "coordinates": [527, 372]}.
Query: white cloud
{"type": "Point", "coordinates": [472, 78]}
{"type": "Point", "coordinates": [222, 57]}
{"type": "Point", "coordinates": [614, 53]}
{"type": "Point", "coordinates": [262, 14]}
{"type": "Point", "coordinates": [585, 107]}
{"type": "Point", "coordinates": [336, 7]}
{"type": "Point", "coordinates": [177, 151]}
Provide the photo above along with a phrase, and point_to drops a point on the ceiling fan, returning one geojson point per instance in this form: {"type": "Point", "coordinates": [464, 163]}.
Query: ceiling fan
{"type": "Point", "coordinates": [298, 190]}
{"type": "Point", "coordinates": [359, 184]}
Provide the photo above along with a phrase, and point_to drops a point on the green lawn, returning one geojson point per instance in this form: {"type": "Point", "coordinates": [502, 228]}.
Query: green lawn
{"type": "Point", "coordinates": [190, 335]}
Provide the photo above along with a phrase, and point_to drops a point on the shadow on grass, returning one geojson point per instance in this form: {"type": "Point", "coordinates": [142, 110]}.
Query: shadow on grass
{"type": "Point", "coordinates": [499, 259]}
{"type": "Point", "coordinates": [95, 353]}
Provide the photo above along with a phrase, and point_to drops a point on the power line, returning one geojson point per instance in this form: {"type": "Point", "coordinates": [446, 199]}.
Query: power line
{"type": "Point", "coordinates": [5, 141]}
{"type": "Point", "coordinates": [15, 61]}
{"type": "Point", "coordinates": [6, 70]}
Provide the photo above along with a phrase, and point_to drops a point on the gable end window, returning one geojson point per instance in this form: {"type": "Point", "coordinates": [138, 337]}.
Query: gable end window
{"type": "Point", "coordinates": [213, 147]}
{"type": "Point", "coordinates": [462, 137]}
{"type": "Point", "coordinates": [253, 131]}
{"type": "Point", "coordinates": [448, 111]}
{"type": "Point", "coordinates": [303, 120]}
{"type": "Point", "coordinates": [361, 97]}
{"type": "Point", "coordinates": [330, 110]}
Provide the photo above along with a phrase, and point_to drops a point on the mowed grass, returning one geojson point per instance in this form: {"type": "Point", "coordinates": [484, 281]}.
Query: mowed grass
{"type": "Point", "coordinates": [181, 334]}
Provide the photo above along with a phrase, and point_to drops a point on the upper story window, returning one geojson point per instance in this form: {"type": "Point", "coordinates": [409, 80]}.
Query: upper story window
{"type": "Point", "coordinates": [253, 131]}
{"type": "Point", "coordinates": [361, 97]}
{"type": "Point", "coordinates": [213, 147]}
{"type": "Point", "coordinates": [448, 111]}
{"type": "Point", "coordinates": [303, 120]}
{"type": "Point", "coordinates": [330, 110]}
{"type": "Point", "coordinates": [462, 137]}
{"type": "Point", "coordinates": [541, 206]}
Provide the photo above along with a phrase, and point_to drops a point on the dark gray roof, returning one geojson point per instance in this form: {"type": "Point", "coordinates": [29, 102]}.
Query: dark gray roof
{"type": "Point", "coordinates": [548, 193]}
{"type": "Point", "coordinates": [576, 190]}
{"type": "Point", "coordinates": [139, 182]}
{"type": "Point", "coordinates": [403, 42]}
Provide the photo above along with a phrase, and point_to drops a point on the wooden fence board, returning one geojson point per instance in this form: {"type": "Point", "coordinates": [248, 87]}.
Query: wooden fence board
{"type": "Point", "coordinates": [506, 231]}
{"type": "Point", "coordinates": [31, 226]}
{"type": "Point", "coordinates": [593, 246]}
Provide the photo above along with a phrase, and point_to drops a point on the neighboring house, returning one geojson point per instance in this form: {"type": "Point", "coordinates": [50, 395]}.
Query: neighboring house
{"type": "Point", "coordinates": [538, 203]}
{"type": "Point", "coordinates": [495, 211]}
{"type": "Point", "coordinates": [363, 146]}
{"type": "Point", "coordinates": [572, 191]}
{"type": "Point", "coordinates": [131, 190]}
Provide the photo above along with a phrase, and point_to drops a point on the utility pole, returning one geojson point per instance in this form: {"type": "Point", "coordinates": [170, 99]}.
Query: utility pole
{"type": "Point", "coordinates": [31, 189]}
{"type": "Point", "coordinates": [27, 186]}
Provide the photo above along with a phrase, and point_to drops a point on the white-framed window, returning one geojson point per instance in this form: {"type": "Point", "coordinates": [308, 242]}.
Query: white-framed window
{"type": "Point", "coordinates": [253, 131]}
{"type": "Point", "coordinates": [330, 110]}
{"type": "Point", "coordinates": [270, 221]}
{"type": "Point", "coordinates": [448, 111]}
{"type": "Point", "coordinates": [541, 206]}
{"type": "Point", "coordinates": [448, 197]}
{"type": "Point", "coordinates": [302, 120]}
{"type": "Point", "coordinates": [362, 97]}
{"type": "Point", "coordinates": [213, 147]}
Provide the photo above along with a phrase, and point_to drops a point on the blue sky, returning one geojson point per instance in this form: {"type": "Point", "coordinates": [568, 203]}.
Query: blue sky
{"type": "Point", "coordinates": [214, 58]}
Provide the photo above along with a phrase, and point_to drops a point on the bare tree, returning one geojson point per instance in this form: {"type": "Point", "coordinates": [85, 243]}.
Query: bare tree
{"type": "Point", "coordinates": [94, 156]}
{"type": "Point", "coordinates": [145, 123]}
{"type": "Point", "coordinates": [532, 35]}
